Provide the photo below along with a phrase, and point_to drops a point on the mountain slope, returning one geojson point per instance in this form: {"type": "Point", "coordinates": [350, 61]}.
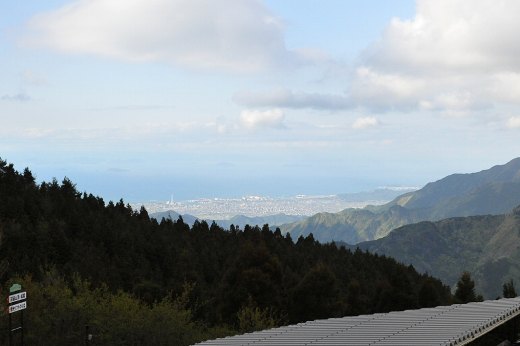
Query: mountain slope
{"type": "Point", "coordinates": [272, 220]}
{"type": "Point", "coordinates": [216, 274]}
{"type": "Point", "coordinates": [174, 216]}
{"type": "Point", "coordinates": [381, 194]}
{"type": "Point", "coordinates": [237, 220]}
{"type": "Point", "coordinates": [346, 225]}
{"type": "Point", "coordinates": [487, 246]}
{"type": "Point", "coordinates": [453, 186]}
{"type": "Point", "coordinates": [492, 191]}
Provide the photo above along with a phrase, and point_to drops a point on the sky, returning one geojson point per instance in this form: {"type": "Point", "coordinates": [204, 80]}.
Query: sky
{"type": "Point", "coordinates": [144, 99]}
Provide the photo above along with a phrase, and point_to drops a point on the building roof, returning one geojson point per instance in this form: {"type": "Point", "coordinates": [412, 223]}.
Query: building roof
{"type": "Point", "coordinates": [451, 325]}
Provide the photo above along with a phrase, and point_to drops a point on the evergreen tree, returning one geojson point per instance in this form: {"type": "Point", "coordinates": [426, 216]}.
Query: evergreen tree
{"type": "Point", "coordinates": [508, 289]}
{"type": "Point", "coordinates": [428, 295]}
{"type": "Point", "coordinates": [316, 296]}
{"type": "Point", "coordinates": [465, 291]}
{"type": "Point", "coordinates": [242, 279]}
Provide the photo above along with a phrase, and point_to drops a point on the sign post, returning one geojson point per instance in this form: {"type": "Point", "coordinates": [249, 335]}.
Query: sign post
{"type": "Point", "coordinates": [17, 301]}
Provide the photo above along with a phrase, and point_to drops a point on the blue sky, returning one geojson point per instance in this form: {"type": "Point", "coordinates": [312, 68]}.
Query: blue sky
{"type": "Point", "coordinates": [141, 99]}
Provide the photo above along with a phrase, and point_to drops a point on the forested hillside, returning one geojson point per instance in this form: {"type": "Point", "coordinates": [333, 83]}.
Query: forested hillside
{"type": "Point", "coordinates": [486, 246]}
{"type": "Point", "coordinates": [237, 220]}
{"type": "Point", "coordinates": [137, 281]}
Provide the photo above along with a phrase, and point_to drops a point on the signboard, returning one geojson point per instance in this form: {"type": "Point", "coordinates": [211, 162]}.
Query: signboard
{"type": "Point", "coordinates": [15, 287]}
{"type": "Point", "coordinates": [17, 307]}
{"type": "Point", "coordinates": [13, 298]}
{"type": "Point", "coordinates": [17, 302]}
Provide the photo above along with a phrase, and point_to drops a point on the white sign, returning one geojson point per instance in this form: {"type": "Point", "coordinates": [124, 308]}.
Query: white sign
{"type": "Point", "coordinates": [13, 298]}
{"type": "Point", "coordinates": [17, 307]}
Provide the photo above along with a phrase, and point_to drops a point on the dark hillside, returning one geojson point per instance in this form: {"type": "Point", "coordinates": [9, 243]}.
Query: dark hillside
{"type": "Point", "coordinates": [81, 256]}
{"type": "Point", "coordinates": [486, 246]}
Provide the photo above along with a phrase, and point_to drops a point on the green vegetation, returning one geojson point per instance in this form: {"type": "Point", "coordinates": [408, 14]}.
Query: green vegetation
{"type": "Point", "coordinates": [137, 281]}
{"type": "Point", "coordinates": [493, 191]}
{"type": "Point", "coordinates": [465, 292]}
{"type": "Point", "coordinates": [352, 225]}
{"type": "Point", "coordinates": [485, 246]}
{"type": "Point", "coordinates": [508, 290]}
{"type": "Point", "coordinates": [59, 311]}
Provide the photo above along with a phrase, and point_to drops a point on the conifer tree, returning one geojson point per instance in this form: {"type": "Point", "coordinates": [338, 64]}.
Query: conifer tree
{"type": "Point", "coordinates": [465, 291]}
{"type": "Point", "coordinates": [508, 289]}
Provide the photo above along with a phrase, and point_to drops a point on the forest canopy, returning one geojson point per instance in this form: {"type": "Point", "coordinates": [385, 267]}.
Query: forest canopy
{"type": "Point", "coordinates": [79, 256]}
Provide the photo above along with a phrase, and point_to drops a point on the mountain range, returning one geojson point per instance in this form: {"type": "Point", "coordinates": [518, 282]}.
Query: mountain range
{"type": "Point", "coordinates": [380, 194]}
{"type": "Point", "coordinates": [487, 246]}
{"type": "Point", "coordinates": [492, 191]}
{"type": "Point", "coordinates": [238, 220]}
{"type": "Point", "coordinates": [463, 222]}
{"type": "Point", "coordinates": [174, 216]}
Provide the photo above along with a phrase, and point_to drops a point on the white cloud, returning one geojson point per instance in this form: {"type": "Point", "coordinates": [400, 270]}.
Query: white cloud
{"type": "Point", "coordinates": [454, 56]}
{"type": "Point", "coordinates": [505, 86]}
{"type": "Point", "coordinates": [378, 90]}
{"type": "Point", "coordinates": [20, 97]}
{"type": "Point", "coordinates": [514, 122]}
{"type": "Point", "coordinates": [284, 98]}
{"type": "Point", "coordinates": [364, 123]}
{"type": "Point", "coordinates": [223, 126]}
{"type": "Point", "coordinates": [452, 34]}
{"type": "Point", "coordinates": [254, 119]}
{"type": "Point", "coordinates": [237, 35]}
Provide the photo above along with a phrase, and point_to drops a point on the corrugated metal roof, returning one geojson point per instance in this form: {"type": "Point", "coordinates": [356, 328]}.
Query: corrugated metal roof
{"type": "Point", "coordinates": [444, 325]}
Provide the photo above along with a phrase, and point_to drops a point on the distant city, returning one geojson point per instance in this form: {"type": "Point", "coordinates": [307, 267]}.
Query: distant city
{"type": "Point", "coordinates": [304, 205]}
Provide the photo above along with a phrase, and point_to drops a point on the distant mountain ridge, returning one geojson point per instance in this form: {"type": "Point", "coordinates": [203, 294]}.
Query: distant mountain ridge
{"type": "Point", "coordinates": [380, 194]}
{"type": "Point", "coordinates": [174, 216]}
{"type": "Point", "coordinates": [238, 220]}
{"type": "Point", "coordinates": [492, 191]}
{"type": "Point", "coordinates": [271, 220]}
{"type": "Point", "coordinates": [486, 246]}
{"type": "Point", "coordinates": [465, 190]}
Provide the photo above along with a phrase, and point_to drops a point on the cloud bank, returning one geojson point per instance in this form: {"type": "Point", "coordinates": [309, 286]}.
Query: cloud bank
{"type": "Point", "coordinates": [236, 35]}
{"type": "Point", "coordinates": [284, 98]}
{"type": "Point", "coordinates": [454, 57]}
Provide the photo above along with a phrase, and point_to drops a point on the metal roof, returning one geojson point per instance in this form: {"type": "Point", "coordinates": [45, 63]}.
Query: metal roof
{"type": "Point", "coordinates": [451, 325]}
